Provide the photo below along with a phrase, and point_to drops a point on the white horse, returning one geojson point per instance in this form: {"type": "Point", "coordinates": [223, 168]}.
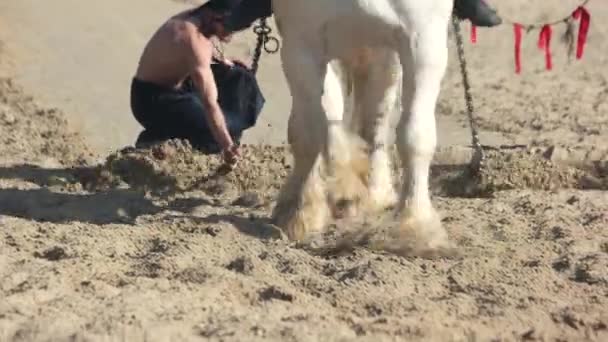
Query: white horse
{"type": "Point", "coordinates": [380, 45]}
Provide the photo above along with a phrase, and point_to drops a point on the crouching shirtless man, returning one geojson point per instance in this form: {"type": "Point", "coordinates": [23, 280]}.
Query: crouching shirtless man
{"type": "Point", "coordinates": [162, 98]}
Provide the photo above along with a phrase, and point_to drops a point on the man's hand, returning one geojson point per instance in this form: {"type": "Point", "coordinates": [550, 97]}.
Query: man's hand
{"type": "Point", "coordinates": [231, 155]}
{"type": "Point", "coordinates": [202, 75]}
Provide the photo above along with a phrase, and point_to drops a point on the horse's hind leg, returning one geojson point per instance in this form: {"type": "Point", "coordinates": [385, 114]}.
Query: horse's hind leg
{"type": "Point", "coordinates": [347, 161]}
{"type": "Point", "coordinates": [377, 81]}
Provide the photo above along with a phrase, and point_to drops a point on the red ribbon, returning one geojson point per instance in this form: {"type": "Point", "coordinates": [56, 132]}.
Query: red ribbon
{"type": "Point", "coordinates": [517, 28]}
{"type": "Point", "coordinates": [473, 34]}
{"type": "Point", "coordinates": [585, 18]}
{"type": "Point", "coordinates": [544, 43]}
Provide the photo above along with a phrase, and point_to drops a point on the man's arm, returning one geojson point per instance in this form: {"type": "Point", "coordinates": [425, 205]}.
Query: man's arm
{"type": "Point", "coordinates": [200, 66]}
{"type": "Point", "coordinates": [204, 80]}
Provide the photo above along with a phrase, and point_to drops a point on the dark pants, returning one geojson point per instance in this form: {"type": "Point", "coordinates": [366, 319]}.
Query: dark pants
{"type": "Point", "coordinates": [167, 113]}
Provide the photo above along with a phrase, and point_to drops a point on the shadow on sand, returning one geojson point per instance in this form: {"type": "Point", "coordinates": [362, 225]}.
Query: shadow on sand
{"type": "Point", "coordinates": [43, 204]}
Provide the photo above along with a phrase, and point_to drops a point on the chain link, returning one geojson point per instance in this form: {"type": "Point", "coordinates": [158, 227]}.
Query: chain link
{"type": "Point", "coordinates": [264, 40]}
{"type": "Point", "coordinates": [478, 156]}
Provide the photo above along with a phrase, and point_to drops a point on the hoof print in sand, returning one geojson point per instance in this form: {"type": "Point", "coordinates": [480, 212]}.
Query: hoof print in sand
{"type": "Point", "coordinates": [272, 292]}
{"type": "Point", "coordinates": [248, 200]}
{"type": "Point", "coordinates": [212, 231]}
{"type": "Point", "coordinates": [159, 246]}
{"type": "Point", "coordinates": [55, 253]}
{"type": "Point", "coordinates": [591, 269]}
{"type": "Point", "coordinates": [242, 265]}
{"type": "Point", "coordinates": [363, 272]}
{"type": "Point", "coordinates": [194, 275]}
{"type": "Point", "coordinates": [578, 321]}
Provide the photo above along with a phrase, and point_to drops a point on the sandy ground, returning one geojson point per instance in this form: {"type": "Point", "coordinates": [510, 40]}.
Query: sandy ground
{"type": "Point", "coordinates": [155, 245]}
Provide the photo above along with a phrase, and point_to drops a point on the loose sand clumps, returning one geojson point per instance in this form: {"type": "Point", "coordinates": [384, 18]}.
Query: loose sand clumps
{"type": "Point", "coordinates": [174, 166]}
{"type": "Point", "coordinates": [519, 168]}
{"type": "Point", "coordinates": [29, 132]}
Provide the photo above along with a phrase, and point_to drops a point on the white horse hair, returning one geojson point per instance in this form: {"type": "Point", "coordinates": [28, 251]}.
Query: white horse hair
{"type": "Point", "coordinates": [379, 45]}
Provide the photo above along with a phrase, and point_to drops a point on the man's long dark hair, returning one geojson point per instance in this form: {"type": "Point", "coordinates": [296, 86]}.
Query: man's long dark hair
{"type": "Point", "coordinates": [217, 6]}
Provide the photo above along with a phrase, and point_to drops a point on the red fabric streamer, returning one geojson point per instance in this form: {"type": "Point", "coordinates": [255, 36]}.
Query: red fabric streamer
{"type": "Point", "coordinates": [585, 18]}
{"type": "Point", "coordinates": [473, 34]}
{"type": "Point", "coordinates": [517, 28]}
{"type": "Point", "coordinates": [544, 43]}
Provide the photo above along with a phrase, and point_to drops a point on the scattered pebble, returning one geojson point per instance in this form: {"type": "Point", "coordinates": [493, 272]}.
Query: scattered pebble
{"type": "Point", "coordinates": [242, 265]}
{"type": "Point", "coordinates": [273, 292]}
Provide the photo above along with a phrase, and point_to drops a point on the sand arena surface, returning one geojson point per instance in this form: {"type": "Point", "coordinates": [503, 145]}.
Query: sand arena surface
{"type": "Point", "coordinates": [157, 245]}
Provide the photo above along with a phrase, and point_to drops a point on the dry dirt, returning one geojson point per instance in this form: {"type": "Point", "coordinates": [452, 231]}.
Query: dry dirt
{"type": "Point", "coordinates": [159, 244]}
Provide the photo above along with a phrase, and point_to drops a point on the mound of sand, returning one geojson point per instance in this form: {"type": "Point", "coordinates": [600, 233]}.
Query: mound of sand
{"type": "Point", "coordinates": [520, 169]}
{"type": "Point", "coordinates": [174, 166]}
{"type": "Point", "coordinates": [30, 133]}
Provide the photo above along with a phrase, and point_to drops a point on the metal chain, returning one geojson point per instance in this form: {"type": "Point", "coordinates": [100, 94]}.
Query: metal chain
{"type": "Point", "coordinates": [478, 156]}
{"type": "Point", "coordinates": [263, 32]}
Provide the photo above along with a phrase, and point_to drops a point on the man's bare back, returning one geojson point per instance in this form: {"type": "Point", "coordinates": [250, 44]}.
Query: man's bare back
{"type": "Point", "coordinates": [166, 59]}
